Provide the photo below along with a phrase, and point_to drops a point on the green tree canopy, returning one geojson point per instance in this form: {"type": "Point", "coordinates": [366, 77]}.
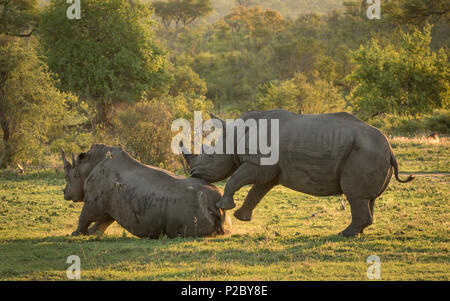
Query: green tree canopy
{"type": "Point", "coordinates": [302, 96]}
{"type": "Point", "coordinates": [18, 17]}
{"type": "Point", "coordinates": [410, 79]}
{"type": "Point", "coordinates": [30, 104]}
{"type": "Point", "coordinates": [417, 12]}
{"type": "Point", "coordinates": [107, 56]}
{"type": "Point", "coordinates": [181, 12]}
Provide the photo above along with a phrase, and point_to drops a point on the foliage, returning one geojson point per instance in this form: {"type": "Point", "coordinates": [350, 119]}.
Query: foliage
{"type": "Point", "coordinates": [236, 50]}
{"type": "Point", "coordinates": [31, 108]}
{"type": "Point", "coordinates": [181, 12]}
{"type": "Point", "coordinates": [234, 55]}
{"type": "Point", "coordinates": [150, 125]}
{"type": "Point", "coordinates": [18, 17]}
{"type": "Point", "coordinates": [301, 96]}
{"type": "Point", "coordinates": [409, 79]}
{"type": "Point", "coordinates": [185, 81]}
{"type": "Point", "coordinates": [288, 8]}
{"type": "Point", "coordinates": [106, 57]}
{"type": "Point", "coordinates": [143, 129]}
{"type": "Point", "coordinates": [184, 107]}
{"type": "Point", "coordinates": [438, 121]}
{"type": "Point", "coordinates": [418, 12]}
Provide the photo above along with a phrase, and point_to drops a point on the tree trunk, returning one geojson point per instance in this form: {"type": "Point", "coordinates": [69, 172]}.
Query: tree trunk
{"type": "Point", "coordinates": [103, 112]}
{"type": "Point", "coordinates": [5, 154]}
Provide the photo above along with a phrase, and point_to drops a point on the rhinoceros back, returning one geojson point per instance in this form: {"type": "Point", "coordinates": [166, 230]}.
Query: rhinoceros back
{"type": "Point", "coordinates": [313, 150]}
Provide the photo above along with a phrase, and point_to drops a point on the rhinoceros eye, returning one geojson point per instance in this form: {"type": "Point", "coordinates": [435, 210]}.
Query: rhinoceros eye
{"type": "Point", "coordinates": [81, 156]}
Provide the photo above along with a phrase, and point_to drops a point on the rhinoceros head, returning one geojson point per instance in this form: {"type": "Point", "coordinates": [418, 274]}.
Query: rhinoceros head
{"type": "Point", "coordinates": [74, 189]}
{"type": "Point", "coordinates": [80, 168]}
{"type": "Point", "coordinates": [211, 167]}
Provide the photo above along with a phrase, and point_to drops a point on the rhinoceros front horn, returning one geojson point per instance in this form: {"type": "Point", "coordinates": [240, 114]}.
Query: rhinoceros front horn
{"type": "Point", "coordinates": [187, 154]}
{"type": "Point", "coordinates": [189, 158]}
{"type": "Point", "coordinates": [67, 165]}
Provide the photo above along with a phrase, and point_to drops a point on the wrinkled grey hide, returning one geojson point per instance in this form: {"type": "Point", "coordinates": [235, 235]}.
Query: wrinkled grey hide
{"type": "Point", "coordinates": [147, 201]}
{"type": "Point", "coordinates": [321, 155]}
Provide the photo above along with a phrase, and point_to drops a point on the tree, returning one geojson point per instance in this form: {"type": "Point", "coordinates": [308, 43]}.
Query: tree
{"type": "Point", "coordinates": [186, 81]}
{"type": "Point", "coordinates": [18, 17]}
{"type": "Point", "coordinates": [237, 59]}
{"type": "Point", "coordinates": [181, 12]}
{"type": "Point", "coordinates": [106, 57]}
{"type": "Point", "coordinates": [17, 20]}
{"type": "Point", "coordinates": [30, 104]}
{"type": "Point", "coordinates": [148, 121]}
{"type": "Point", "coordinates": [418, 12]}
{"type": "Point", "coordinates": [301, 96]}
{"type": "Point", "coordinates": [408, 79]}
{"type": "Point", "coordinates": [258, 26]}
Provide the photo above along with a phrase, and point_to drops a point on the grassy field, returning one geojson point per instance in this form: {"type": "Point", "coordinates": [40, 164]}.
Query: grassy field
{"type": "Point", "coordinates": [292, 236]}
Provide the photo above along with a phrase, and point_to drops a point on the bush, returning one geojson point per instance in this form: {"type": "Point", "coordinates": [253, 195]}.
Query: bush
{"type": "Point", "coordinates": [408, 79]}
{"type": "Point", "coordinates": [438, 121]}
{"type": "Point", "coordinates": [299, 94]}
{"type": "Point", "coordinates": [144, 131]}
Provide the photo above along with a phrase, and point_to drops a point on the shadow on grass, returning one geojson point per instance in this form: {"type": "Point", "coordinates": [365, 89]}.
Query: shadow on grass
{"type": "Point", "coordinates": [182, 257]}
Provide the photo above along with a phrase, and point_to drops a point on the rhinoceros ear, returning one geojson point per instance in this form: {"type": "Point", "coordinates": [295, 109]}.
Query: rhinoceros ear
{"type": "Point", "coordinates": [67, 165]}
{"type": "Point", "coordinates": [215, 117]}
{"type": "Point", "coordinates": [203, 204]}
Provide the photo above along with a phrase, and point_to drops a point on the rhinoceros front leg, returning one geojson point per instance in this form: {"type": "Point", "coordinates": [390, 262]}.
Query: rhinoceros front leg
{"type": "Point", "coordinates": [99, 227]}
{"type": "Point", "coordinates": [88, 215]}
{"type": "Point", "coordinates": [247, 173]}
{"type": "Point", "coordinates": [253, 198]}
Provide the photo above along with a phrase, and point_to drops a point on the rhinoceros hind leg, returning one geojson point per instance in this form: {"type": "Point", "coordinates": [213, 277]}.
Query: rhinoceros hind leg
{"type": "Point", "coordinates": [371, 205]}
{"type": "Point", "coordinates": [361, 217]}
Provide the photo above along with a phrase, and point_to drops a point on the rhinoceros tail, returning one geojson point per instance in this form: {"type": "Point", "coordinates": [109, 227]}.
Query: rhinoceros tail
{"type": "Point", "coordinates": [395, 165]}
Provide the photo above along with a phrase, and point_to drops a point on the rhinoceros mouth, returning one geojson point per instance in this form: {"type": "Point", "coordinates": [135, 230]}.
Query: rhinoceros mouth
{"type": "Point", "coordinates": [219, 218]}
{"type": "Point", "coordinates": [194, 173]}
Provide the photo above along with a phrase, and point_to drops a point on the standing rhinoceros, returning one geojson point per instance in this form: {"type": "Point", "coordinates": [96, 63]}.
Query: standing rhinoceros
{"type": "Point", "coordinates": [321, 155]}
{"type": "Point", "coordinates": [145, 200]}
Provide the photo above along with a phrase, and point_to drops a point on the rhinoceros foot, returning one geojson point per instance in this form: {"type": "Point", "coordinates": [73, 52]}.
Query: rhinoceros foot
{"type": "Point", "coordinates": [350, 232]}
{"type": "Point", "coordinates": [75, 233]}
{"type": "Point", "coordinates": [226, 203]}
{"type": "Point", "coordinates": [243, 215]}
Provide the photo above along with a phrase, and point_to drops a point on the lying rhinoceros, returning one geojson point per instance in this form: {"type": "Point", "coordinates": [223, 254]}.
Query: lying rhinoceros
{"type": "Point", "coordinates": [321, 155]}
{"type": "Point", "coordinates": [147, 201]}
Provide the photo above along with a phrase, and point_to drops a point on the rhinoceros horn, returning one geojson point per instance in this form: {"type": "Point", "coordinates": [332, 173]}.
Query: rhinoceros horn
{"type": "Point", "coordinates": [67, 165]}
{"type": "Point", "coordinates": [186, 154]}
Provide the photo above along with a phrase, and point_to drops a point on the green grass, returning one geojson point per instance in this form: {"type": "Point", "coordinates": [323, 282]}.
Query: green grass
{"type": "Point", "coordinates": [292, 236]}
{"type": "Point", "coordinates": [422, 155]}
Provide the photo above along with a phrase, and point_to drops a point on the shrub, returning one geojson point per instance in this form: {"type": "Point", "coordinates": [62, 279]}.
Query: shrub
{"type": "Point", "coordinates": [408, 79]}
{"type": "Point", "coordinates": [438, 121]}
{"type": "Point", "coordinates": [144, 131]}
{"type": "Point", "coordinates": [298, 93]}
